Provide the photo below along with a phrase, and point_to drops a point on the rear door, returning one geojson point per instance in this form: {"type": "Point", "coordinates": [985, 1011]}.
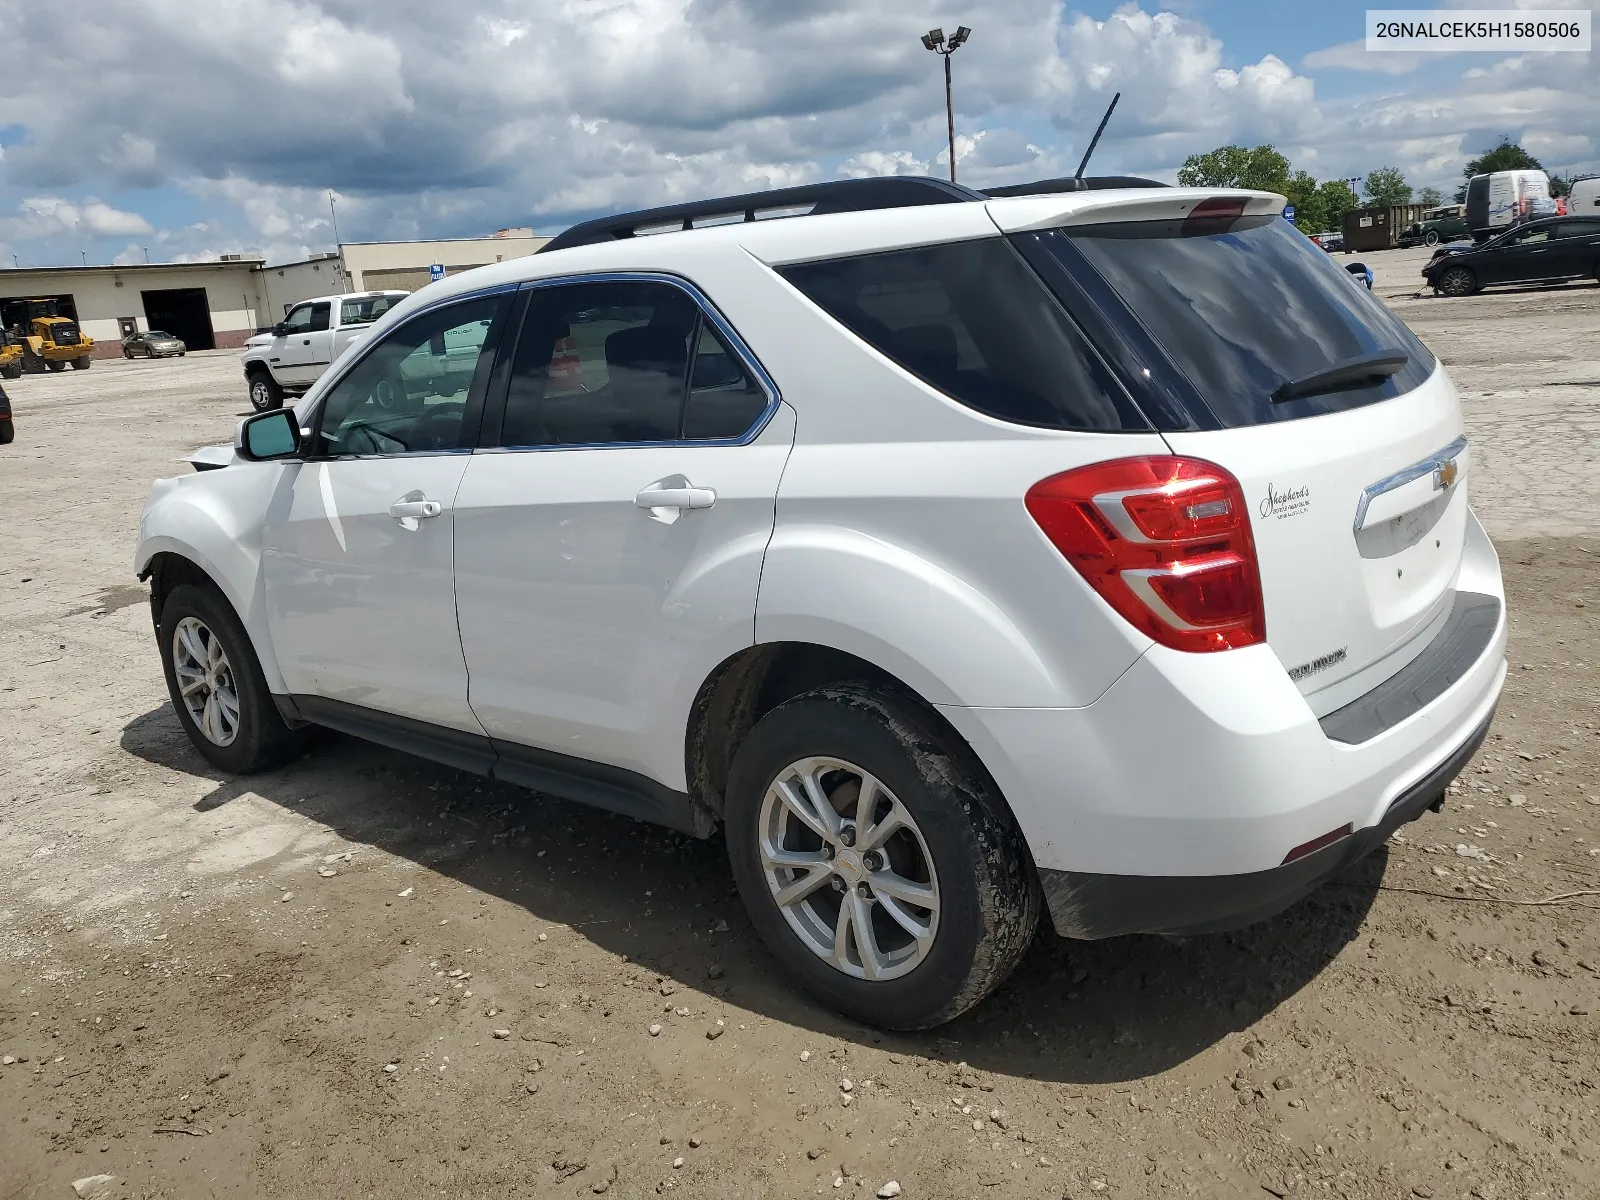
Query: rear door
{"type": "Point", "coordinates": [1357, 487]}
{"type": "Point", "coordinates": [610, 536]}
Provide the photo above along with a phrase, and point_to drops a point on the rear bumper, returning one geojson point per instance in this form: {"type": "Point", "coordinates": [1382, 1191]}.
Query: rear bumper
{"type": "Point", "coordinates": [1101, 906]}
{"type": "Point", "coordinates": [1173, 801]}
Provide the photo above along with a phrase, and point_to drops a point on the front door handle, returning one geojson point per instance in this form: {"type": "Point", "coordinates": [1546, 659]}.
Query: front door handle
{"type": "Point", "coordinates": [655, 496]}
{"type": "Point", "coordinates": [415, 510]}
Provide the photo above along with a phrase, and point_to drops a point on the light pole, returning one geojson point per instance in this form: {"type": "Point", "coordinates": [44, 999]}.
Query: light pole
{"type": "Point", "coordinates": [934, 40]}
{"type": "Point", "coordinates": [337, 245]}
{"type": "Point", "coordinates": [146, 250]}
{"type": "Point", "coordinates": [1351, 184]}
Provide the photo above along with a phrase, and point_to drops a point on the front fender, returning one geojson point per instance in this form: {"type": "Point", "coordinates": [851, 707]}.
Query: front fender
{"type": "Point", "coordinates": [215, 520]}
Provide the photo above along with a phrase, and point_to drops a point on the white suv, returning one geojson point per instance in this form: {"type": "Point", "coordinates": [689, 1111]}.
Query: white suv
{"type": "Point", "coordinates": [1102, 551]}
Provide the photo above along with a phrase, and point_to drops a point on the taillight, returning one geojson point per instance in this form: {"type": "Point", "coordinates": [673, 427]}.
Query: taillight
{"type": "Point", "coordinates": [1165, 541]}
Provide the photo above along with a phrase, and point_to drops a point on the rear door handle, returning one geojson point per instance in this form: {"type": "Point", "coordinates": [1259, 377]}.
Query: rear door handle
{"type": "Point", "coordinates": [675, 497]}
{"type": "Point", "coordinates": [415, 510]}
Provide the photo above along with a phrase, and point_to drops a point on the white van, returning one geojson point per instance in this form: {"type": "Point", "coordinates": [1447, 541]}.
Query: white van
{"type": "Point", "coordinates": [1584, 199]}
{"type": "Point", "coordinates": [1505, 198]}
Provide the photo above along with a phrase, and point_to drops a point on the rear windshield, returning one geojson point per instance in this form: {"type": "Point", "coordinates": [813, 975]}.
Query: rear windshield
{"type": "Point", "coordinates": [971, 319]}
{"type": "Point", "coordinates": [1241, 307]}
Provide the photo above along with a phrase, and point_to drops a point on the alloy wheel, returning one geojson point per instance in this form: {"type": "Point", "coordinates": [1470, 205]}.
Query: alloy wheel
{"type": "Point", "coordinates": [849, 869]}
{"type": "Point", "coordinates": [205, 681]}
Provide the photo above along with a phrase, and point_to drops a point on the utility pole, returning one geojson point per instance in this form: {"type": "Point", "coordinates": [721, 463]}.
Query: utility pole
{"type": "Point", "coordinates": [934, 40]}
{"type": "Point", "coordinates": [337, 244]}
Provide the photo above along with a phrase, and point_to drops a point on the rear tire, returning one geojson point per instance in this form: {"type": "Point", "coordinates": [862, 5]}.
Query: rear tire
{"type": "Point", "coordinates": [14, 371]}
{"type": "Point", "coordinates": [960, 846]}
{"type": "Point", "coordinates": [82, 364]}
{"type": "Point", "coordinates": [202, 640]}
{"type": "Point", "coordinates": [1458, 281]}
{"type": "Point", "coordinates": [126, 353]}
{"type": "Point", "coordinates": [265, 394]}
{"type": "Point", "coordinates": [54, 364]}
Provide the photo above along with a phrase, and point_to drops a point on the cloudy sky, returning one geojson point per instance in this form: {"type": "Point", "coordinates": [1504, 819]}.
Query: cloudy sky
{"type": "Point", "coordinates": [189, 128]}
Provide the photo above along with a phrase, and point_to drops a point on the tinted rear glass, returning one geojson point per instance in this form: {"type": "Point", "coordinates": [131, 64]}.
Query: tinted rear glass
{"type": "Point", "coordinates": [1242, 307]}
{"type": "Point", "coordinates": [972, 320]}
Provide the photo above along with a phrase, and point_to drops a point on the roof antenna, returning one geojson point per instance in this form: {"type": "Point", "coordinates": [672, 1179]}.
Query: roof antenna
{"type": "Point", "coordinates": [1095, 141]}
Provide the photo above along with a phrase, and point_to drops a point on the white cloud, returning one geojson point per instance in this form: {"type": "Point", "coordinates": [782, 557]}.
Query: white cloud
{"type": "Point", "coordinates": [540, 111]}
{"type": "Point", "coordinates": [51, 216]}
{"type": "Point", "coordinates": [1354, 56]}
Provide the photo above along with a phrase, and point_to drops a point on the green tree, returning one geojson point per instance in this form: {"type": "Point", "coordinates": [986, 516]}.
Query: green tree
{"type": "Point", "coordinates": [1560, 185]}
{"type": "Point", "coordinates": [1431, 197]}
{"type": "Point", "coordinates": [1387, 186]}
{"type": "Point", "coordinates": [1506, 156]}
{"type": "Point", "coordinates": [1260, 167]}
{"type": "Point", "coordinates": [1325, 207]}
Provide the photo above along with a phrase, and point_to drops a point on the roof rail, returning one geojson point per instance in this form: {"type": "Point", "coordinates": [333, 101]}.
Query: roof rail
{"type": "Point", "coordinates": [1094, 183]}
{"type": "Point", "coordinates": [814, 199]}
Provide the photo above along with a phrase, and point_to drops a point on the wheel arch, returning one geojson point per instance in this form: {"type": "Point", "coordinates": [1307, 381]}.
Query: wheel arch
{"type": "Point", "coordinates": [222, 561]}
{"type": "Point", "coordinates": [750, 683]}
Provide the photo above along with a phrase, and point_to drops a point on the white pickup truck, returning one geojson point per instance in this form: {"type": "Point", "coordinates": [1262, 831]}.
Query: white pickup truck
{"type": "Point", "coordinates": [291, 356]}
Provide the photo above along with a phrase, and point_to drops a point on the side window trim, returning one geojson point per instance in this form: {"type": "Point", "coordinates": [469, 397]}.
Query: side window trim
{"type": "Point", "coordinates": [477, 393]}
{"type": "Point", "coordinates": [494, 413]}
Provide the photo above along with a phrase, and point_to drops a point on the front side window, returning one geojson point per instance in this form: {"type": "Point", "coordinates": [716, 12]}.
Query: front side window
{"type": "Point", "coordinates": [320, 313]}
{"type": "Point", "coordinates": [410, 393]}
{"type": "Point", "coordinates": [619, 363]}
{"type": "Point", "coordinates": [971, 320]}
{"type": "Point", "coordinates": [298, 320]}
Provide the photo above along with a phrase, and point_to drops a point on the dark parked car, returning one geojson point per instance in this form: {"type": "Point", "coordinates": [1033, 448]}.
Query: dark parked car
{"type": "Point", "coordinates": [7, 430]}
{"type": "Point", "coordinates": [1432, 233]}
{"type": "Point", "coordinates": [1543, 251]}
{"type": "Point", "coordinates": [153, 344]}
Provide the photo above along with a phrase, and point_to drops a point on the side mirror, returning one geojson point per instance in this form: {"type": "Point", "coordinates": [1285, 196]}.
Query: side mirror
{"type": "Point", "coordinates": [281, 329]}
{"type": "Point", "coordinates": [268, 435]}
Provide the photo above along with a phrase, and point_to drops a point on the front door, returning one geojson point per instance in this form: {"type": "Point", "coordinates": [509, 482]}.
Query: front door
{"type": "Point", "coordinates": [608, 554]}
{"type": "Point", "coordinates": [293, 352]}
{"type": "Point", "coordinates": [359, 550]}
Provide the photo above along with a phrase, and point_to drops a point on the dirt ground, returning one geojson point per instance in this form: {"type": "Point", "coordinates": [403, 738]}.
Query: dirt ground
{"type": "Point", "coordinates": [365, 975]}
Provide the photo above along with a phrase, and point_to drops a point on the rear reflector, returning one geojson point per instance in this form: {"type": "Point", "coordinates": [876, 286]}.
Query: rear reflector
{"type": "Point", "coordinates": [1315, 844]}
{"type": "Point", "coordinates": [1165, 541]}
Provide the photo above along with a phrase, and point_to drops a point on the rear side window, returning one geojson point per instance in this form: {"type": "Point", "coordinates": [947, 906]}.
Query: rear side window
{"type": "Point", "coordinates": [613, 363]}
{"type": "Point", "coordinates": [1241, 307]}
{"type": "Point", "coordinates": [972, 320]}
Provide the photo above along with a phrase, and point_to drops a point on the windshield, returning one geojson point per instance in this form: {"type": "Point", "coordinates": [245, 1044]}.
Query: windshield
{"type": "Point", "coordinates": [1243, 305]}
{"type": "Point", "coordinates": [156, 333]}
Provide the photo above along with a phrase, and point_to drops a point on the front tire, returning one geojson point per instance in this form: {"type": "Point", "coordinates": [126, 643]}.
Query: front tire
{"type": "Point", "coordinates": [1458, 281]}
{"type": "Point", "coordinates": [54, 364]}
{"type": "Point", "coordinates": [904, 913]}
{"type": "Point", "coordinates": [216, 684]}
{"type": "Point", "coordinates": [1432, 238]}
{"type": "Point", "coordinates": [82, 364]}
{"type": "Point", "coordinates": [265, 394]}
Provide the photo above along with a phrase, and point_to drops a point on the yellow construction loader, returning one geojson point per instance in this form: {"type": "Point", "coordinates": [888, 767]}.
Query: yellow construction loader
{"type": "Point", "coordinates": [49, 341]}
{"type": "Point", "coordinates": [10, 356]}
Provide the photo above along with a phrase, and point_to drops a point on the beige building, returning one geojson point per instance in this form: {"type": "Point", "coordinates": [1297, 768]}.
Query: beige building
{"type": "Point", "coordinates": [386, 266]}
{"type": "Point", "coordinates": [213, 305]}
{"type": "Point", "coordinates": [217, 305]}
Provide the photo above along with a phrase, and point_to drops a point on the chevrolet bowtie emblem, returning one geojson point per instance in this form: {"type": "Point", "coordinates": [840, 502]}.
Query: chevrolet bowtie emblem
{"type": "Point", "coordinates": [1444, 476]}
